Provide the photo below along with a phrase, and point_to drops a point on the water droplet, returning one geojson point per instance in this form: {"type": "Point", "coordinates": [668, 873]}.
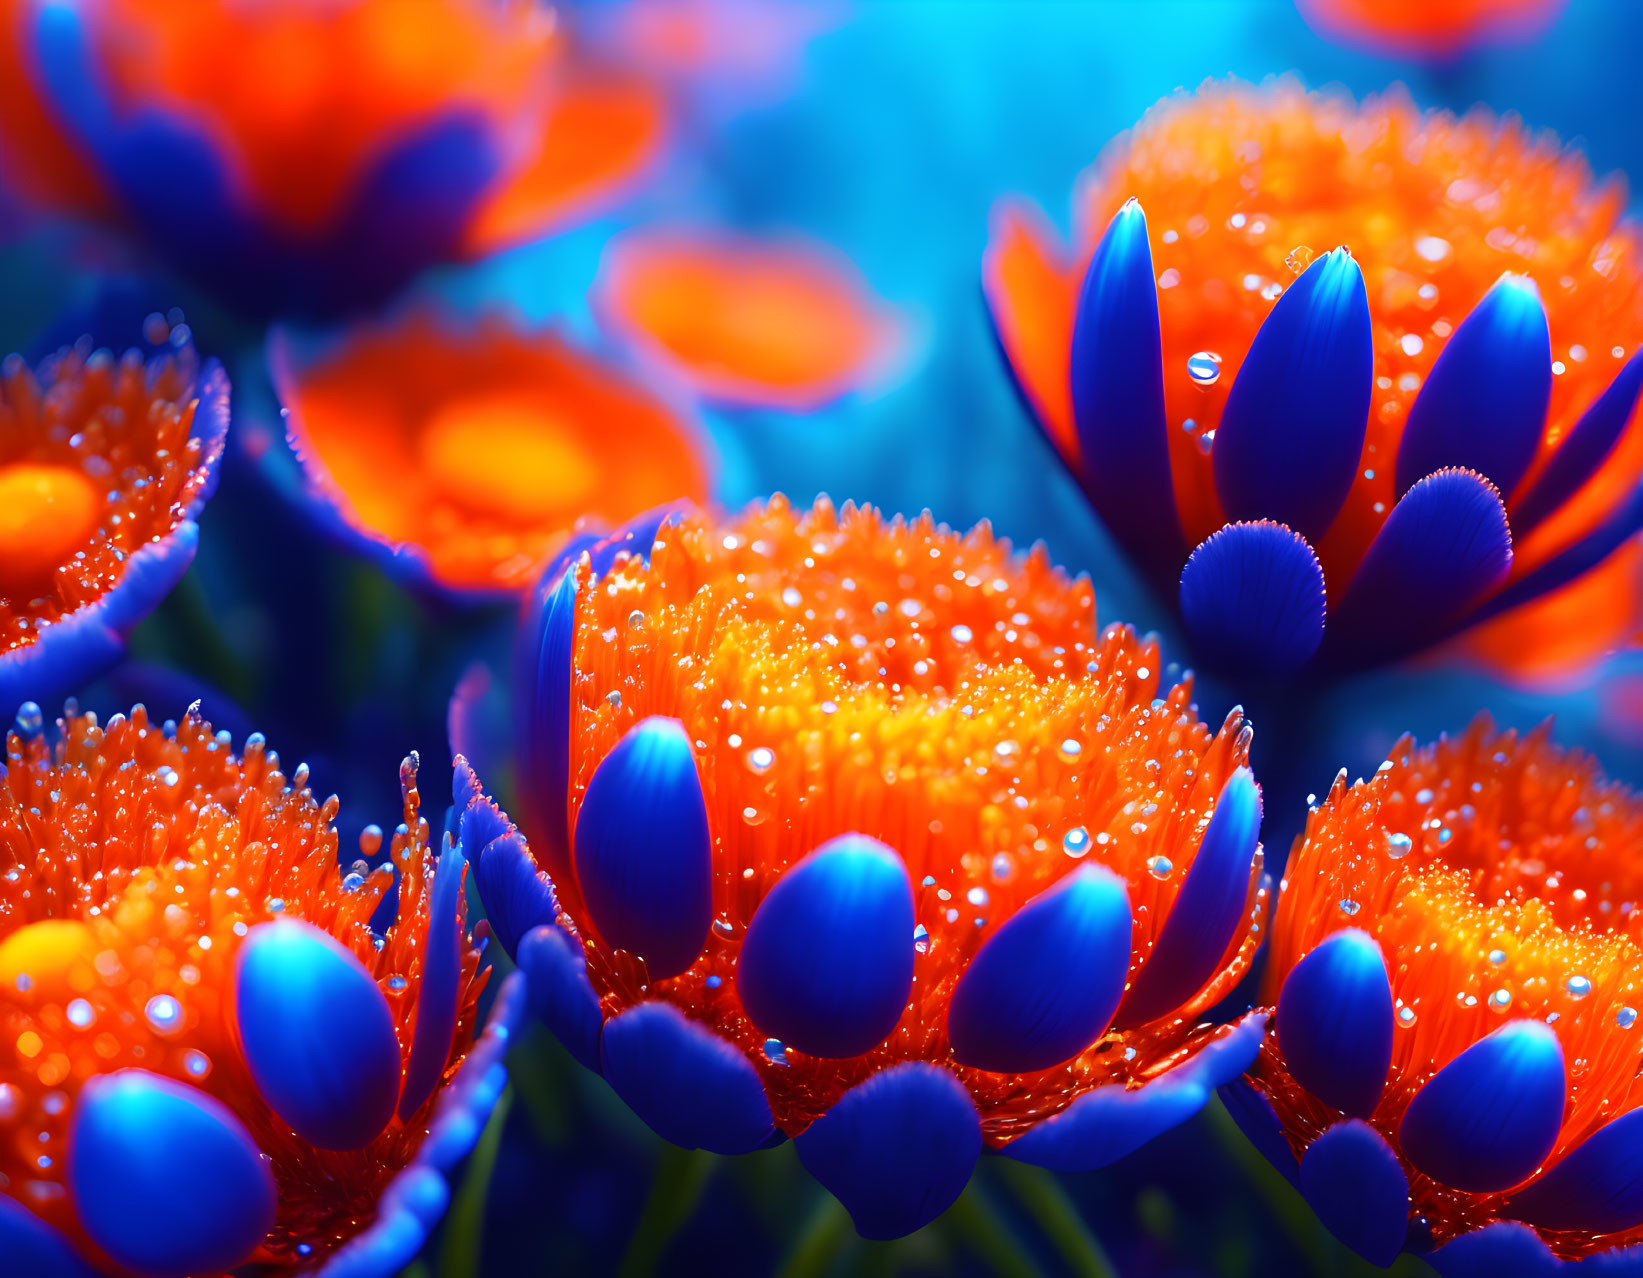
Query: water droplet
{"type": "Point", "coordinates": [1406, 1016]}
{"type": "Point", "coordinates": [353, 882]}
{"type": "Point", "coordinates": [1159, 867]}
{"type": "Point", "coordinates": [791, 597]}
{"type": "Point", "coordinates": [1412, 343]}
{"type": "Point", "coordinates": [1204, 368]}
{"type": "Point", "coordinates": [722, 927]}
{"type": "Point", "coordinates": [275, 905]}
{"type": "Point", "coordinates": [1398, 845]}
{"type": "Point", "coordinates": [759, 759]}
{"type": "Point", "coordinates": [198, 1064]}
{"type": "Point", "coordinates": [1070, 749]}
{"type": "Point", "coordinates": [80, 1013]}
{"type": "Point", "coordinates": [1626, 1017]}
{"type": "Point", "coordinates": [636, 619]}
{"type": "Point", "coordinates": [1500, 1000]}
{"type": "Point", "coordinates": [776, 1051]}
{"type": "Point", "coordinates": [396, 983]}
{"type": "Point", "coordinates": [1076, 842]}
{"type": "Point", "coordinates": [163, 1012]}
{"type": "Point", "coordinates": [1299, 258]}
{"type": "Point", "coordinates": [30, 720]}
{"type": "Point", "coordinates": [1497, 957]}
{"type": "Point", "coordinates": [713, 982]}
{"type": "Point", "coordinates": [1349, 907]}
{"type": "Point", "coordinates": [1004, 751]}
{"type": "Point", "coordinates": [1003, 867]}
{"type": "Point", "coordinates": [962, 634]}
{"type": "Point", "coordinates": [977, 896]}
{"type": "Point", "coordinates": [613, 699]}
{"type": "Point", "coordinates": [1578, 986]}
{"type": "Point", "coordinates": [370, 840]}
{"type": "Point", "coordinates": [1206, 442]}
{"type": "Point", "coordinates": [921, 939]}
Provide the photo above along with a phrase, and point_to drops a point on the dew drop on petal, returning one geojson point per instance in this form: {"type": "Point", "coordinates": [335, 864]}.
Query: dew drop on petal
{"type": "Point", "coordinates": [1626, 1017]}
{"type": "Point", "coordinates": [163, 1012]}
{"type": "Point", "coordinates": [1204, 367]}
{"type": "Point", "coordinates": [1349, 907]}
{"type": "Point", "coordinates": [759, 759]}
{"type": "Point", "coordinates": [1076, 842]}
{"type": "Point", "coordinates": [1398, 845]}
{"type": "Point", "coordinates": [1159, 867]}
{"type": "Point", "coordinates": [1578, 986]}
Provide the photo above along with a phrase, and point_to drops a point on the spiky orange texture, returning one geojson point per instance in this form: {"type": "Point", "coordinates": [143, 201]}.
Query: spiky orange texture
{"type": "Point", "coordinates": [1242, 186]}
{"type": "Point", "coordinates": [121, 424]}
{"type": "Point", "coordinates": [840, 672]}
{"type": "Point", "coordinates": [132, 862]}
{"type": "Point", "coordinates": [483, 446]}
{"type": "Point", "coordinates": [1520, 874]}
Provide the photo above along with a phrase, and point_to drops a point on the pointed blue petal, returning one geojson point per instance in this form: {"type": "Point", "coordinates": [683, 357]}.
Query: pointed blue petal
{"type": "Point", "coordinates": [1252, 597]}
{"type": "Point", "coordinates": [1623, 523]}
{"type": "Point", "coordinates": [436, 1001]}
{"type": "Point", "coordinates": [1118, 396]}
{"type": "Point", "coordinates": [1261, 1126]}
{"type": "Point", "coordinates": [33, 1247]}
{"type": "Point", "coordinates": [557, 972]}
{"type": "Point", "coordinates": [1335, 1022]}
{"type": "Point", "coordinates": [480, 820]}
{"type": "Point", "coordinates": [1597, 1187]}
{"type": "Point", "coordinates": [1293, 427]}
{"type": "Point", "coordinates": [317, 1034]}
{"type": "Point", "coordinates": [896, 1150]}
{"type": "Point", "coordinates": [1484, 403]}
{"type": "Point", "coordinates": [644, 854]}
{"type": "Point", "coordinates": [1352, 1179]}
{"type": "Point", "coordinates": [165, 1179]}
{"type": "Point", "coordinates": [1587, 447]}
{"type": "Point", "coordinates": [516, 895]}
{"type": "Point", "coordinates": [1621, 1262]}
{"type": "Point", "coordinates": [544, 657]}
{"type": "Point", "coordinates": [1501, 1249]}
{"type": "Point", "coordinates": [827, 963]}
{"type": "Point", "coordinates": [1487, 1119]}
{"type": "Point", "coordinates": [688, 1084]}
{"type": "Point", "coordinates": [1207, 912]}
{"type": "Point", "coordinates": [1045, 985]}
{"type": "Point", "coordinates": [1443, 548]}
{"type": "Point", "coordinates": [1105, 1124]}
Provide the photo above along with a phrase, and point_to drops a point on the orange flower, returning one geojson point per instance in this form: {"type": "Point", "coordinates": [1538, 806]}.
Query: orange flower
{"type": "Point", "coordinates": [1437, 29]}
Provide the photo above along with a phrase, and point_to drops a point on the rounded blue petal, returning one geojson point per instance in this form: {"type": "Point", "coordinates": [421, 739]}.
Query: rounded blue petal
{"type": "Point", "coordinates": [1261, 1126]}
{"type": "Point", "coordinates": [165, 1179]}
{"type": "Point", "coordinates": [1334, 1022]}
{"type": "Point", "coordinates": [644, 853]}
{"type": "Point", "coordinates": [1046, 984]}
{"type": "Point", "coordinates": [1252, 597]}
{"type": "Point", "coordinates": [688, 1084]}
{"type": "Point", "coordinates": [557, 972]}
{"type": "Point", "coordinates": [1353, 1180]}
{"type": "Point", "coordinates": [1597, 1187]}
{"type": "Point", "coordinates": [544, 657]}
{"type": "Point", "coordinates": [1487, 1119]}
{"type": "Point", "coordinates": [1208, 909]}
{"type": "Point", "coordinates": [440, 992]}
{"type": "Point", "coordinates": [827, 963]}
{"type": "Point", "coordinates": [896, 1150]}
{"type": "Point", "coordinates": [33, 1247]}
{"type": "Point", "coordinates": [1504, 1248]}
{"type": "Point", "coordinates": [317, 1034]}
{"type": "Point", "coordinates": [1293, 427]}
{"type": "Point", "coordinates": [1484, 402]}
{"type": "Point", "coordinates": [516, 894]}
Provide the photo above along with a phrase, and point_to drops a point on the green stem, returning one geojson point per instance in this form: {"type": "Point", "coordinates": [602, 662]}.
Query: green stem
{"type": "Point", "coordinates": [681, 1178]}
{"type": "Point", "coordinates": [823, 1237]}
{"type": "Point", "coordinates": [1049, 1204]}
{"type": "Point", "coordinates": [460, 1255]}
{"type": "Point", "coordinates": [974, 1219]}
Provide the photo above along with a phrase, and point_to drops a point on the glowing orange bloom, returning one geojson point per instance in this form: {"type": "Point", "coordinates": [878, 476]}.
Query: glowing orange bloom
{"type": "Point", "coordinates": [470, 453]}
{"type": "Point", "coordinates": [1456, 966]}
{"type": "Point", "coordinates": [789, 324]}
{"type": "Point", "coordinates": [105, 463]}
{"type": "Point", "coordinates": [1243, 188]}
{"type": "Point", "coordinates": [1430, 28]}
{"type": "Point", "coordinates": [859, 821]}
{"type": "Point", "coordinates": [191, 983]}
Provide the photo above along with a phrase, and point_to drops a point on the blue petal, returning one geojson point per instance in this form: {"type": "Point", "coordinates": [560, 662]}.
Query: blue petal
{"type": "Point", "coordinates": [557, 970]}
{"type": "Point", "coordinates": [1252, 597]}
{"type": "Point", "coordinates": [1044, 986]}
{"type": "Point", "coordinates": [1484, 403]}
{"type": "Point", "coordinates": [544, 657]}
{"type": "Point", "coordinates": [165, 1179]}
{"type": "Point", "coordinates": [827, 963]}
{"type": "Point", "coordinates": [1621, 525]}
{"type": "Point", "coordinates": [1487, 1119]}
{"type": "Point", "coordinates": [1353, 1180]}
{"type": "Point", "coordinates": [481, 821]}
{"type": "Point", "coordinates": [1587, 447]}
{"type": "Point", "coordinates": [1501, 1249]}
{"type": "Point", "coordinates": [1597, 1187]}
{"type": "Point", "coordinates": [1293, 427]}
{"type": "Point", "coordinates": [1118, 396]}
{"type": "Point", "coordinates": [437, 999]}
{"type": "Point", "coordinates": [1103, 1125]}
{"type": "Point", "coordinates": [1207, 912]}
{"type": "Point", "coordinates": [317, 1034]}
{"type": "Point", "coordinates": [688, 1084]}
{"type": "Point", "coordinates": [644, 854]}
{"type": "Point", "coordinates": [33, 1247]}
{"type": "Point", "coordinates": [1261, 1126]}
{"type": "Point", "coordinates": [896, 1150]}
{"type": "Point", "coordinates": [1335, 1022]}
{"type": "Point", "coordinates": [1443, 548]}
{"type": "Point", "coordinates": [516, 896]}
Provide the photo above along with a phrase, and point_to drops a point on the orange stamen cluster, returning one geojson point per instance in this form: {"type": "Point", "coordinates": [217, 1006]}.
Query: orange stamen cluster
{"type": "Point", "coordinates": [838, 673]}
{"type": "Point", "coordinates": [483, 448]}
{"type": "Point", "coordinates": [96, 462]}
{"type": "Point", "coordinates": [1498, 876]}
{"type": "Point", "coordinates": [133, 860]}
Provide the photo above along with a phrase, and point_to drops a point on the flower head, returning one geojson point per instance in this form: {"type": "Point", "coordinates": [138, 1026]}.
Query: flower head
{"type": "Point", "coordinates": [105, 463]}
{"type": "Point", "coordinates": [1436, 29]}
{"type": "Point", "coordinates": [865, 835]}
{"type": "Point", "coordinates": [1358, 379]}
{"type": "Point", "coordinates": [467, 453]}
{"type": "Point", "coordinates": [1456, 969]}
{"type": "Point", "coordinates": [209, 1058]}
{"type": "Point", "coordinates": [312, 156]}
{"type": "Point", "coordinates": [783, 324]}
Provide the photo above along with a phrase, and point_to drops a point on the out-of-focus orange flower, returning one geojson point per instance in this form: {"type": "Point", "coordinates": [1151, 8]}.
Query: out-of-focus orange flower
{"type": "Point", "coordinates": [1430, 28]}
